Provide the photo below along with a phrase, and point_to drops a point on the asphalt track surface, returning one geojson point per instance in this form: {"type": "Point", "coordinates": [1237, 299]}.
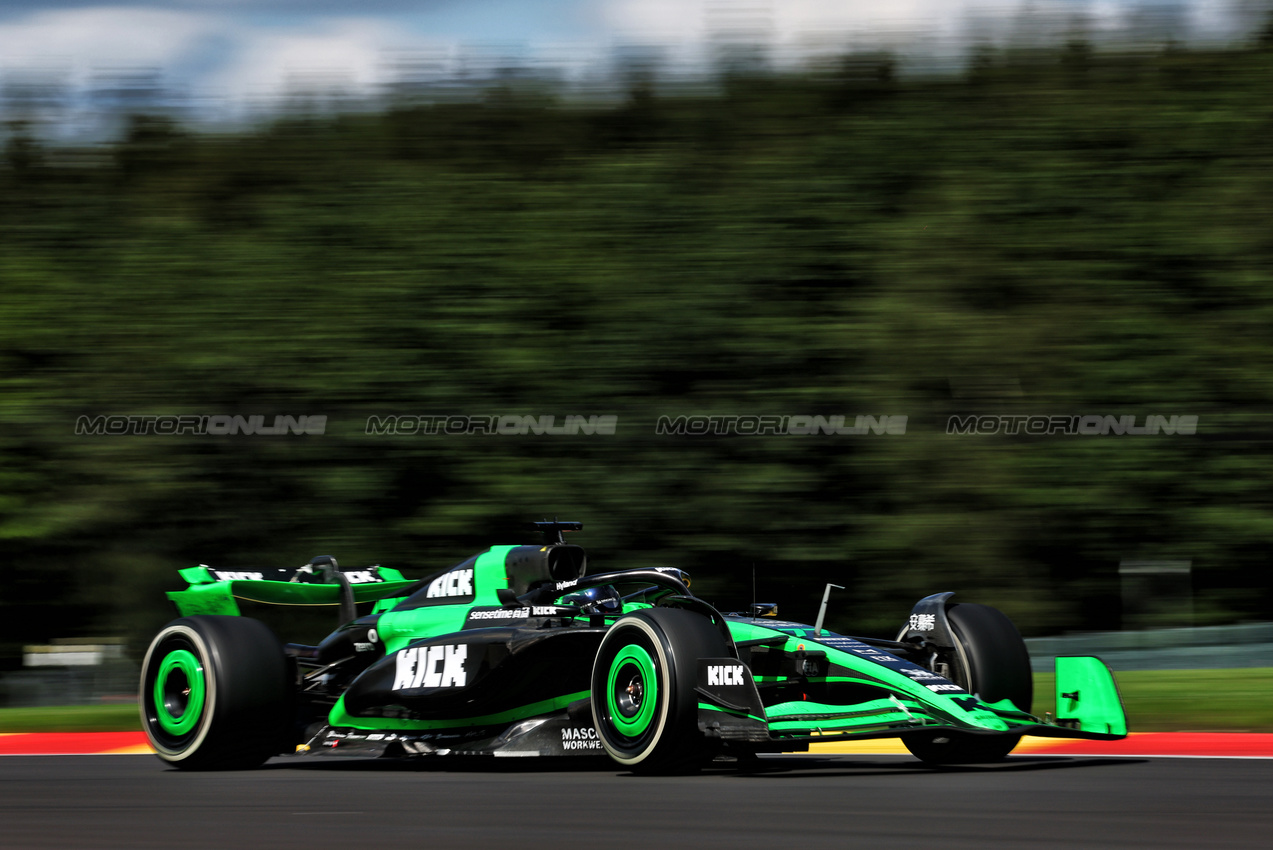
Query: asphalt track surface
{"type": "Point", "coordinates": [131, 801]}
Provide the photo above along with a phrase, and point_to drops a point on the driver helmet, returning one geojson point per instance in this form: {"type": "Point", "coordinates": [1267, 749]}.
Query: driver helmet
{"type": "Point", "coordinates": [596, 600]}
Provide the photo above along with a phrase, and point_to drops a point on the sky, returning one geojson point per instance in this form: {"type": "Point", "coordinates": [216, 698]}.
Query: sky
{"type": "Point", "coordinates": [229, 53]}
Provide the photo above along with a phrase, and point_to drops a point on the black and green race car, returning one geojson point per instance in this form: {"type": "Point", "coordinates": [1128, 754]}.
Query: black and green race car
{"type": "Point", "coordinates": [518, 651]}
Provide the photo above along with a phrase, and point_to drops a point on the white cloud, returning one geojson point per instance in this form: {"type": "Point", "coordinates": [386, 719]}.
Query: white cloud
{"type": "Point", "coordinates": [690, 27]}
{"type": "Point", "coordinates": [83, 39]}
{"type": "Point", "coordinates": [346, 54]}
{"type": "Point", "coordinates": [212, 58]}
{"type": "Point", "coordinates": [788, 19]}
{"type": "Point", "coordinates": [794, 29]}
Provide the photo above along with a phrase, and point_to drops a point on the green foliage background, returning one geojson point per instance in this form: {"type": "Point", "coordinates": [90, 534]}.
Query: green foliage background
{"type": "Point", "coordinates": [1068, 233]}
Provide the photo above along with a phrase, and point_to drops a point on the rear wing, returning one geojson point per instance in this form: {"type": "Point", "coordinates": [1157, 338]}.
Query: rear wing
{"type": "Point", "coordinates": [214, 590]}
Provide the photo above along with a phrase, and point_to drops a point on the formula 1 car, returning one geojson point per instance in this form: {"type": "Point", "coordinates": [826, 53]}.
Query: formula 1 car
{"type": "Point", "coordinates": [517, 651]}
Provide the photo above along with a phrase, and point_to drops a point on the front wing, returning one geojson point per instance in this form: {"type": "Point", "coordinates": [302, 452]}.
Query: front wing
{"type": "Point", "coordinates": [731, 708]}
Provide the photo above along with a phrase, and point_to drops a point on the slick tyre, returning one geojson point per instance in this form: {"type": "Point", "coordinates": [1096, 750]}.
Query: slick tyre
{"type": "Point", "coordinates": [215, 693]}
{"type": "Point", "coordinates": [991, 661]}
{"type": "Point", "coordinates": [643, 680]}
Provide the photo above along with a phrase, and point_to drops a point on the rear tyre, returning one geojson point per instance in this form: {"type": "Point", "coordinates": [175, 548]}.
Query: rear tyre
{"type": "Point", "coordinates": [216, 693]}
{"type": "Point", "coordinates": [643, 680]}
{"type": "Point", "coordinates": [991, 661]}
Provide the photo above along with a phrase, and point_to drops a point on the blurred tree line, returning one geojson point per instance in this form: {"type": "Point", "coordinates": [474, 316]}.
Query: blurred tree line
{"type": "Point", "coordinates": [1051, 233]}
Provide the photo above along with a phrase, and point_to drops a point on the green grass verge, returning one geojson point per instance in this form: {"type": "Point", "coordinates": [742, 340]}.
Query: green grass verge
{"type": "Point", "coordinates": [71, 718]}
{"type": "Point", "coordinates": [1185, 700]}
{"type": "Point", "coordinates": [1156, 701]}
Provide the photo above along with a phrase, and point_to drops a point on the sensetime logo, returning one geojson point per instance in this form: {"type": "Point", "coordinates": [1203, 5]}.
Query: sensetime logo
{"type": "Point", "coordinates": [1086, 426]}
{"type": "Point", "coordinates": [217, 425]}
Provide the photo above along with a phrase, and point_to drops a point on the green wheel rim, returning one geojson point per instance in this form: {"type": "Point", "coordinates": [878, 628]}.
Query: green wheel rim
{"type": "Point", "coordinates": [632, 666]}
{"type": "Point", "coordinates": [179, 692]}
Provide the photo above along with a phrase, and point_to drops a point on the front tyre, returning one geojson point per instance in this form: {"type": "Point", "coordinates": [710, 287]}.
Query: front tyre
{"type": "Point", "coordinates": [643, 680]}
{"type": "Point", "coordinates": [215, 693]}
{"type": "Point", "coordinates": [991, 661]}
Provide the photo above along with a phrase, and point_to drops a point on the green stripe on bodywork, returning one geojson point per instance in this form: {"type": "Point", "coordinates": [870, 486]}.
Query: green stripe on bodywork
{"type": "Point", "coordinates": [399, 628]}
{"type": "Point", "coordinates": [875, 706]}
{"type": "Point", "coordinates": [873, 724]}
{"type": "Point", "coordinates": [881, 712]}
{"type": "Point", "coordinates": [707, 706]}
{"type": "Point", "coordinates": [857, 680]}
{"type": "Point", "coordinates": [490, 573]}
{"type": "Point", "coordinates": [340, 717]}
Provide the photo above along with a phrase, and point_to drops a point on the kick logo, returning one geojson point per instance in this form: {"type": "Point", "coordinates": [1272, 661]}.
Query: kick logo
{"type": "Point", "coordinates": [454, 583]}
{"type": "Point", "coordinates": [725, 674]}
{"type": "Point", "coordinates": [362, 576]}
{"type": "Point", "coordinates": [229, 575]}
{"type": "Point", "coordinates": [431, 667]}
